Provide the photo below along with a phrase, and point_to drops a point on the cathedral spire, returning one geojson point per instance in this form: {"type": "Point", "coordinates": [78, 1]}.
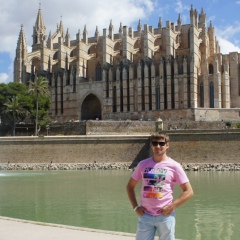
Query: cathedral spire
{"type": "Point", "coordinates": [22, 39]}
{"type": "Point", "coordinates": [202, 19]}
{"type": "Point", "coordinates": [179, 19]}
{"type": "Point", "coordinates": [139, 26]}
{"type": "Point", "coordinates": [85, 34]}
{"type": "Point", "coordinates": [110, 26]}
{"type": "Point", "coordinates": [67, 38]}
{"type": "Point", "coordinates": [21, 56]}
{"type": "Point", "coordinates": [49, 40]}
{"type": "Point", "coordinates": [160, 24]}
{"type": "Point", "coordinates": [111, 30]}
{"type": "Point", "coordinates": [39, 30]}
{"type": "Point", "coordinates": [179, 22]}
{"type": "Point", "coordinates": [211, 26]}
{"type": "Point", "coordinates": [39, 25]}
{"type": "Point", "coordinates": [60, 29]}
{"type": "Point", "coordinates": [67, 33]}
{"type": "Point", "coordinates": [85, 29]}
{"type": "Point", "coordinates": [96, 32]}
{"type": "Point", "coordinates": [120, 28]}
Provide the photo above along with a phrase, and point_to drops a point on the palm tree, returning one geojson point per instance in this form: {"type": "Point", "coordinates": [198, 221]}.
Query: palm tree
{"type": "Point", "coordinates": [39, 87]}
{"type": "Point", "coordinates": [15, 109]}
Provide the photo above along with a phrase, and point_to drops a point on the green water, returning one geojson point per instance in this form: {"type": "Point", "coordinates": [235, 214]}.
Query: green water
{"type": "Point", "coordinates": [97, 199]}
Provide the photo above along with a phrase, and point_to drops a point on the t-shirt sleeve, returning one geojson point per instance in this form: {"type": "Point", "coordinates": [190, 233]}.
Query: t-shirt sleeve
{"type": "Point", "coordinates": [137, 175]}
{"type": "Point", "coordinates": [181, 176]}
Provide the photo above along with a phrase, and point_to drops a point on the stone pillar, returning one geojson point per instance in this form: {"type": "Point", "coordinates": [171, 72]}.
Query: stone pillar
{"type": "Point", "coordinates": [131, 88]}
{"type": "Point", "coordinates": [118, 101]}
{"type": "Point", "coordinates": [185, 84]}
{"type": "Point", "coordinates": [146, 86]}
{"type": "Point", "coordinates": [125, 90]}
{"type": "Point", "coordinates": [153, 86]}
{"type": "Point", "coordinates": [110, 79]}
{"type": "Point", "coordinates": [176, 87]}
{"type": "Point", "coordinates": [234, 79]}
{"type": "Point", "coordinates": [217, 86]}
{"type": "Point", "coordinates": [226, 87]}
{"type": "Point", "coordinates": [139, 88]}
{"type": "Point", "coordinates": [161, 83]}
{"type": "Point", "coordinates": [169, 87]}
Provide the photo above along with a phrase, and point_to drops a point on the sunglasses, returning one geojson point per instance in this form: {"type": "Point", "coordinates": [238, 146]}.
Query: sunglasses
{"type": "Point", "coordinates": [158, 143]}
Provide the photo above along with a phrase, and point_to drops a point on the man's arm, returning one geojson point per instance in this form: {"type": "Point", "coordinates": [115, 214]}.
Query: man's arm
{"type": "Point", "coordinates": [132, 183]}
{"type": "Point", "coordinates": [185, 195]}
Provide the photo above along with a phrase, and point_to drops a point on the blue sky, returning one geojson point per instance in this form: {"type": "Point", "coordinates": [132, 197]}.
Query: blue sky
{"type": "Point", "coordinates": [76, 13]}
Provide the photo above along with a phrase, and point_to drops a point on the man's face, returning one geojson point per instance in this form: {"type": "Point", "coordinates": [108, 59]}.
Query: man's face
{"type": "Point", "coordinates": [159, 146]}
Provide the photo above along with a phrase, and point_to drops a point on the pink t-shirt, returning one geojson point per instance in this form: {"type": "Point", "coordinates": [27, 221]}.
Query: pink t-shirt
{"type": "Point", "coordinates": [158, 181]}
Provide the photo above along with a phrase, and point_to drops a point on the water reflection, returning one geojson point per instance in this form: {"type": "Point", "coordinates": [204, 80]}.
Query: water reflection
{"type": "Point", "coordinates": [97, 199]}
{"type": "Point", "coordinates": [213, 210]}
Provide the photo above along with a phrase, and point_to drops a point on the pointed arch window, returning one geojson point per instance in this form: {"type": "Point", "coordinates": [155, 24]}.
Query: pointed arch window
{"type": "Point", "coordinates": [158, 97]}
{"type": "Point", "coordinates": [114, 99]}
{"type": "Point", "coordinates": [201, 95]}
{"type": "Point", "coordinates": [55, 56]}
{"type": "Point", "coordinates": [121, 86]}
{"type": "Point", "coordinates": [107, 83]}
{"type": "Point", "coordinates": [188, 38]}
{"type": "Point", "coordinates": [98, 72]}
{"type": "Point", "coordinates": [210, 69]}
{"type": "Point", "coordinates": [56, 94]}
{"type": "Point", "coordinates": [74, 80]}
{"type": "Point", "coordinates": [211, 95]}
{"type": "Point", "coordinates": [150, 86]}
{"type": "Point", "coordinates": [143, 85]}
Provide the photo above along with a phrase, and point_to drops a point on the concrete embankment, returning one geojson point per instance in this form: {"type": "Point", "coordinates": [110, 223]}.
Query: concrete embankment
{"type": "Point", "coordinates": [12, 229]}
{"type": "Point", "coordinates": [186, 147]}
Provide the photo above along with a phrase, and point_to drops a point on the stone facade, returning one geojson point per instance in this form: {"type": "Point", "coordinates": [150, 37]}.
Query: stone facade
{"type": "Point", "coordinates": [175, 72]}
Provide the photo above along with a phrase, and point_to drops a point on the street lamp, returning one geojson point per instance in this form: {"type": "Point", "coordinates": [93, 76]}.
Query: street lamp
{"type": "Point", "coordinates": [159, 125]}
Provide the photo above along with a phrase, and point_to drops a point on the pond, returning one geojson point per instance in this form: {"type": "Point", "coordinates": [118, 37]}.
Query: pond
{"type": "Point", "coordinates": [97, 199]}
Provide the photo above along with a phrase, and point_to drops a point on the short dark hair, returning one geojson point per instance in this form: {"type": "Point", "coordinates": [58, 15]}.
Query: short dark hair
{"type": "Point", "coordinates": [160, 135]}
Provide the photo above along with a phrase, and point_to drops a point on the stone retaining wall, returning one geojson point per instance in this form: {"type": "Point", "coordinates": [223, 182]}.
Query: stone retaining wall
{"type": "Point", "coordinates": [127, 127]}
{"type": "Point", "coordinates": [185, 147]}
{"type": "Point", "coordinates": [112, 166]}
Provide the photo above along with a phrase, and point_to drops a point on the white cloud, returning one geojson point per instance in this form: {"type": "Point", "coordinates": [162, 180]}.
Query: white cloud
{"type": "Point", "coordinates": [4, 78]}
{"type": "Point", "coordinates": [77, 13]}
{"type": "Point", "coordinates": [181, 7]}
{"type": "Point", "coordinates": [74, 14]}
{"type": "Point", "coordinates": [226, 35]}
{"type": "Point", "coordinates": [228, 32]}
{"type": "Point", "coordinates": [226, 46]}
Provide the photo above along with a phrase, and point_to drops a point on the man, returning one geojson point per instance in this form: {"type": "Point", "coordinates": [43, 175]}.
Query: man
{"type": "Point", "coordinates": [158, 174]}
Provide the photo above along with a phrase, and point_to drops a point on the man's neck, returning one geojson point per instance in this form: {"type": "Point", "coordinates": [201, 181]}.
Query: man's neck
{"type": "Point", "coordinates": [159, 158]}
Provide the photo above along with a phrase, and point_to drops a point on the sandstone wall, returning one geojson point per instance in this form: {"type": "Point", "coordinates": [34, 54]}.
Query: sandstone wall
{"type": "Point", "coordinates": [187, 147]}
{"type": "Point", "coordinates": [92, 127]}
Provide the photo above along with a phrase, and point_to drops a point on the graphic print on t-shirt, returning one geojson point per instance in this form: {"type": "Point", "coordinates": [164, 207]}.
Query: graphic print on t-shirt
{"type": "Point", "coordinates": [153, 182]}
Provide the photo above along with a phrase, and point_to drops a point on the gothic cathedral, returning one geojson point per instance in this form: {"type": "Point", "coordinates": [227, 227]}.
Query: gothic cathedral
{"type": "Point", "coordinates": [173, 72]}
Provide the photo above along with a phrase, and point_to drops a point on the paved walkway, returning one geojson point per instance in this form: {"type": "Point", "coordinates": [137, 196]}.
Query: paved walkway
{"type": "Point", "coordinates": [16, 229]}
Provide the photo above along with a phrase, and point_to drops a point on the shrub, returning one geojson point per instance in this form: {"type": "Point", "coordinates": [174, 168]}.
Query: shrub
{"type": "Point", "coordinates": [238, 125]}
{"type": "Point", "coordinates": [228, 124]}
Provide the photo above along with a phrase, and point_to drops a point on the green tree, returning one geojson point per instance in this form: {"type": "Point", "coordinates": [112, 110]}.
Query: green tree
{"type": "Point", "coordinates": [7, 92]}
{"type": "Point", "coordinates": [14, 109]}
{"type": "Point", "coordinates": [38, 88]}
